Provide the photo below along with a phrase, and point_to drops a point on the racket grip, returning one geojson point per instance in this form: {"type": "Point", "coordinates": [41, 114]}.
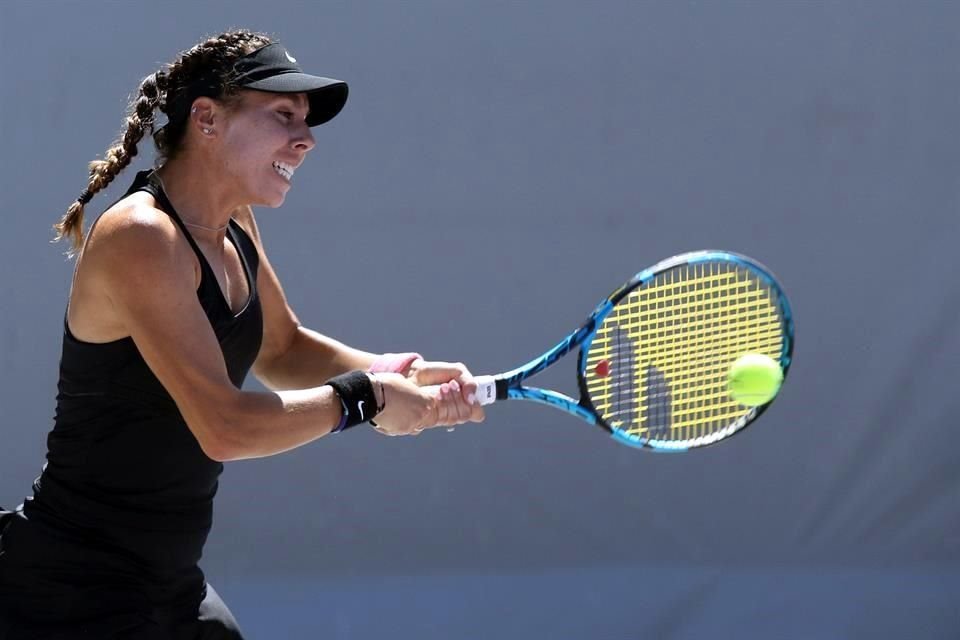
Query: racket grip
{"type": "Point", "coordinates": [486, 390]}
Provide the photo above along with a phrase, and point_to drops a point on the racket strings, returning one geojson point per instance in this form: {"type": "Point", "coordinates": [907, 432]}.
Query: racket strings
{"type": "Point", "coordinates": [702, 346]}
{"type": "Point", "coordinates": [669, 345]}
{"type": "Point", "coordinates": [627, 400]}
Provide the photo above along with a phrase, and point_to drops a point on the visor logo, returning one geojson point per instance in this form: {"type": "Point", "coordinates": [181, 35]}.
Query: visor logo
{"type": "Point", "coordinates": [290, 57]}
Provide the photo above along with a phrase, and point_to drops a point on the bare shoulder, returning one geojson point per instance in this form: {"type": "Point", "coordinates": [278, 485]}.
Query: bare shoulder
{"type": "Point", "coordinates": [134, 219]}
{"type": "Point", "coordinates": [133, 250]}
{"type": "Point", "coordinates": [134, 232]}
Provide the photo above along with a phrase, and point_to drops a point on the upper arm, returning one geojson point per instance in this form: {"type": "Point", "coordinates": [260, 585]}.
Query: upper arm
{"type": "Point", "coordinates": [148, 275]}
{"type": "Point", "coordinates": [280, 323]}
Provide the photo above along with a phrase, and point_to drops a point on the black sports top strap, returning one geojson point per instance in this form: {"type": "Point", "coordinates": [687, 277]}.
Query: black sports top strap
{"type": "Point", "coordinates": [151, 183]}
{"type": "Point", "coordinates": [155, 188]}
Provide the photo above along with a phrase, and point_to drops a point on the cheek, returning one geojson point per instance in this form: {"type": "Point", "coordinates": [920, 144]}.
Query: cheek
{"type": "Point", "coordinates": [240, 149]}
{"type": "Point", "coordinates": [251, 141]}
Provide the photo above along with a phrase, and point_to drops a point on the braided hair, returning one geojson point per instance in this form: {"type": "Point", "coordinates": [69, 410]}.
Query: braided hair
{"type": "Point", "coordinates": [167, 89]}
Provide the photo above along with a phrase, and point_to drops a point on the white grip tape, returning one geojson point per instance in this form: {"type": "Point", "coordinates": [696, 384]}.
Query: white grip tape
{"type": "Point", "coordinates": [486, 390]}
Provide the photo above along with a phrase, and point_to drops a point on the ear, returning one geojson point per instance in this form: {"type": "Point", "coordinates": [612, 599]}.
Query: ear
{"type": "Point", "coordinates": [204, 114]}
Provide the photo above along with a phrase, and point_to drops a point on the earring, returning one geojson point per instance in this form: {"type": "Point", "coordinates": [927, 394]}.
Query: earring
{"type": "Point", "coordinates": [194, 110]}
{"type": "Point", "coordinates": [207, 131]}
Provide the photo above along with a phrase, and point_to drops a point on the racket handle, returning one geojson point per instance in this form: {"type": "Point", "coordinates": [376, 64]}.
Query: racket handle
{"type": "Point", "coordinates": [486, 390]}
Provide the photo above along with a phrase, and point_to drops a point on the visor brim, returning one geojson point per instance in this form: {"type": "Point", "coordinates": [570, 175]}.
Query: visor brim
{"type": "Point", "coordinates": [326, 95]}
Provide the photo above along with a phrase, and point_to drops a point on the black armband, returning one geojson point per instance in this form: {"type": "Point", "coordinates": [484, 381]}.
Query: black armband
{"type": "Point", "coordinates": [357, 398]}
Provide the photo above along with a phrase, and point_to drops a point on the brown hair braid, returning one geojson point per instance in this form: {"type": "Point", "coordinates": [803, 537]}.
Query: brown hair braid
{"type": "Point", "coordinates": [213, 59]}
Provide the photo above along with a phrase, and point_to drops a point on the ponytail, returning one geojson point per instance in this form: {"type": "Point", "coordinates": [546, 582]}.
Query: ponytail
{"type": "Point", "coordinates": [116, 159]}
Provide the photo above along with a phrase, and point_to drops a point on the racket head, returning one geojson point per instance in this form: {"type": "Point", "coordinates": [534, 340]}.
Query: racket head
{"type": "Point", "coordinates": [654, 370]}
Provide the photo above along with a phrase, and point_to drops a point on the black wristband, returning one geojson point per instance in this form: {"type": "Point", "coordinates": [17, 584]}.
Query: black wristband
{"type": "Point", "coordinates": [357, 398]}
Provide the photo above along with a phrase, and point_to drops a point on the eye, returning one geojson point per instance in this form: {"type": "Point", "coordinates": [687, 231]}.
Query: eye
{"type": "Point", "coordinates": [287, 115]}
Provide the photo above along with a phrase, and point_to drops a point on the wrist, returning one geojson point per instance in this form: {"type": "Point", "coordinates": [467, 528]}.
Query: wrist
{"type": "Point", "coordinates": [358, 399]}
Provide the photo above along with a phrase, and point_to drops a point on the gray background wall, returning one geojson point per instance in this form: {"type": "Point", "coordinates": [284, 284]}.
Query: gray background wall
{"type": "Point", "coordinates": [501, 166]}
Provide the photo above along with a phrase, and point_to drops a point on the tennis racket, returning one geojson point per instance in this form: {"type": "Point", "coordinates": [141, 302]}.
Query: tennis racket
{"type": "Point", "coordinates": [654, 355]}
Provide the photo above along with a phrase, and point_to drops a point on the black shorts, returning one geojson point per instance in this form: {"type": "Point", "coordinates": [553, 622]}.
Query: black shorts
{"type": "Point", "coordinates": [213, 621]}
{"type": "Point", "coordinates": [31, 603]}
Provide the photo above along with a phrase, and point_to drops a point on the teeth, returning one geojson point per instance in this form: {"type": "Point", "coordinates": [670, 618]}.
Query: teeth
{"type": "Point", "coordinates": [284, 169]}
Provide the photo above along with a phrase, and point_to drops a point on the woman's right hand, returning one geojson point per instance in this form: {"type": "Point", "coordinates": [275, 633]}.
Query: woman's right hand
{"type": "Point", "coordinates": [408, 409]}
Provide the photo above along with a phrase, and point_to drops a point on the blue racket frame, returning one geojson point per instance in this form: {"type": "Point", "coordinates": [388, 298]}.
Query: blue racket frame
{"type": "Point", "coordinates": [510, 387]}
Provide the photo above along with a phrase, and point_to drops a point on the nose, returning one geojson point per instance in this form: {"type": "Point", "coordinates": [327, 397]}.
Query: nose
{"type": "Point", "coordinates": [304, 141]}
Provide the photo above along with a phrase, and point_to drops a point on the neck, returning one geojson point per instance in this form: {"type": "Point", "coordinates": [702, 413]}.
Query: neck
{"type": "Point", "coordinates": [202, 199]}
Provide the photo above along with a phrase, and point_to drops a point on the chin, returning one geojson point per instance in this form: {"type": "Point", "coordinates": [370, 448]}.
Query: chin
{"type": "Point", "coordinates": [272, 198]}
{"type": "Point", "coordinates": [275, 202]}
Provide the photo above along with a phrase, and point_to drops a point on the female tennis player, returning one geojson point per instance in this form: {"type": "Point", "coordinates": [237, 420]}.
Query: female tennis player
{"type": "Point", "coordinates": [173, 302]}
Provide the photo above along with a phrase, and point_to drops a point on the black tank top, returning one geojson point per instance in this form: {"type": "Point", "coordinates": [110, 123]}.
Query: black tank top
{"type": "Point", "coordinates": [126, 485]}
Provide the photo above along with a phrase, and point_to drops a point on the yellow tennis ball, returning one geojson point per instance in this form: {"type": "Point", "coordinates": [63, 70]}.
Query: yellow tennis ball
{"type": "Point", "coordinates": [754, 379]}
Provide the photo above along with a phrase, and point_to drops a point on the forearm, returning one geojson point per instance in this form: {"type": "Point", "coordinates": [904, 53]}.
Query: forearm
{"type": "Point", "coordinates": [264, 424]}
{"type": "Point", "coordinates": [260, 424]}
{"type": "Point", "coordinates": [309, 361]}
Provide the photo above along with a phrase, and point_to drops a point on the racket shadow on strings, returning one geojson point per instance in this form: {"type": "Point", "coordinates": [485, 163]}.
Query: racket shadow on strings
{"type": "Point", "coordinates": [655, 354]}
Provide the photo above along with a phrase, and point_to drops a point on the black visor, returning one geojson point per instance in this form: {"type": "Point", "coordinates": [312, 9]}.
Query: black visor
{"type": "Point", "coordinates": [272, 68]}
{"type": "Point", "coordinates": [269, 68]}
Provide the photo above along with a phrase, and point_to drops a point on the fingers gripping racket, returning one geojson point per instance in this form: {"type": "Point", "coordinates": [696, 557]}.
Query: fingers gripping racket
{"type": "Point", "coordinates": [654, 355]}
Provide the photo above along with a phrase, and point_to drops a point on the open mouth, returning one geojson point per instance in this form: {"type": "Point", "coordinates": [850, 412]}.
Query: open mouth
{"type": "Point", "coordinates": [284, 169]}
